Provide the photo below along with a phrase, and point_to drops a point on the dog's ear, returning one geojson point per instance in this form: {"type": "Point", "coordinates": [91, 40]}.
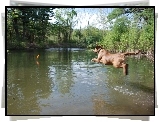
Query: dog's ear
{"type": "Point", "coordinates": [98, 47]}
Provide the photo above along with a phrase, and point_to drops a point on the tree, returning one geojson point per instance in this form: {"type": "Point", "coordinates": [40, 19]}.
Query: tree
{"type": "Point", "coordinates": [133, 27]}
{"type": "Point", "coordinates": [65, 22]}
{"type": "Point", "coordinates": [27, 25]}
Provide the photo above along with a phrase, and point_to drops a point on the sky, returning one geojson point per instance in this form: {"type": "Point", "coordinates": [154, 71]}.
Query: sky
{"type": "Point", "coordinates": [89, 14]}
{"type": "Point", "coordinates": [92, 15]}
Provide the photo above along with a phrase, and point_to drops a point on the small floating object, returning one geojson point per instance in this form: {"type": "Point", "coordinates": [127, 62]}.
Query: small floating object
{"type": "Point", "coordinates": [37, 56]}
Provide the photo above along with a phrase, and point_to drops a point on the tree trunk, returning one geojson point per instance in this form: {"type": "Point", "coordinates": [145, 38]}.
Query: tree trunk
{"type": "Point", "coordinates": [15, 26]}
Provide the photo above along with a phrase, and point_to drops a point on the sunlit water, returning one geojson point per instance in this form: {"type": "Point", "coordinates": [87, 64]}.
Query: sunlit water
{"type": "Point", "coordinates": [66, 82]}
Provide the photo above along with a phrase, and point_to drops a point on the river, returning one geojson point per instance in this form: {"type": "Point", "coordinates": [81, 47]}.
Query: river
{"type": "Point", "coordinates": [64, 81]}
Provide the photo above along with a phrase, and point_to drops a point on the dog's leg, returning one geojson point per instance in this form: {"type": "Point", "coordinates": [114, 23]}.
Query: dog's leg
{"type": "Point", "coordinates": [125, 69]}
{"type": "Point", "coordinates": [95, 60]}
{"type": "Point", "coordinates": [98, 60]}
{"type": "Point", "coordinates": [121, 65]}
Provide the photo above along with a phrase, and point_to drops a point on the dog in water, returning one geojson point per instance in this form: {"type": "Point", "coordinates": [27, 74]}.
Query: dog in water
{"type": "Point", "coordinates": [117, 59]}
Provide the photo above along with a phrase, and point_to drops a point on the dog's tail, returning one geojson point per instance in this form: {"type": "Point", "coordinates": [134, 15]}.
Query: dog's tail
{"type": "Point", "coordinates": [131, 53]}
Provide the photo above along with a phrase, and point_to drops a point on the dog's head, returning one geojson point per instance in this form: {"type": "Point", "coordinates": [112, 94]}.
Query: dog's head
{"type": "Point", "coordinates": [97, 49]}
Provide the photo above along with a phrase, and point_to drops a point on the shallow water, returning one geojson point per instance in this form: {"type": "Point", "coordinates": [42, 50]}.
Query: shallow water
{"type": "Point", "coordinates": [66, 82]}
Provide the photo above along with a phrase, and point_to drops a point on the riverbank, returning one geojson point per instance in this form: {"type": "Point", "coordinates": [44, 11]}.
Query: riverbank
{"type": "Point", "coordinates": [45, 46]}
{"type": "Point", "coordinates": [147, 54]}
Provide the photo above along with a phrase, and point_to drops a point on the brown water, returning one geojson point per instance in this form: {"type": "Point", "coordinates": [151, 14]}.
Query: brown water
{"type": "Point", "coordinates": [66, 82]}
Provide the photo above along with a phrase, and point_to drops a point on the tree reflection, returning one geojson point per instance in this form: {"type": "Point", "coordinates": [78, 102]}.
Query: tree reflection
{"type": "Point", "coordinates": [62, 70]}
{"type": "Point", "coordinates": [26, 83]}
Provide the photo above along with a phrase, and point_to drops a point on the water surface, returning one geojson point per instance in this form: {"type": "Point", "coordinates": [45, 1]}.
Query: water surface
{"type": "Point", "coordinates": [66, 82]}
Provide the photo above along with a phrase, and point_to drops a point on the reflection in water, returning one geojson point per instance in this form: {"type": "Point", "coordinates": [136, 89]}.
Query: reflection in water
{"type": "Point", "coordinates": [61, 73]}
{"type": "Point", "coordinates": [65, 82]}
{"type": "Point", "coordinates": [37, 62]}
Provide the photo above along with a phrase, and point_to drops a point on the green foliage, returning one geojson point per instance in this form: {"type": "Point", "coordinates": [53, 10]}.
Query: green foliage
{"type": "Point", "coordinates": [115, 13]}
{"type": "Point", "coordinates": [27, 24]}
{"type": "Point", "coordinates": [121, 25]}
{"type": "Point", "coordinates": [87, 37]}
{"type": "Point", "coordinates": [132, 28]}
{"type": "Point", "coordinates": [64, 23]}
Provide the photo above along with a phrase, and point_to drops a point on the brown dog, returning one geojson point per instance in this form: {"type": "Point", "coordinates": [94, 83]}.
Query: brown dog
{"type": "Point", "coordinates": [117, 60]}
